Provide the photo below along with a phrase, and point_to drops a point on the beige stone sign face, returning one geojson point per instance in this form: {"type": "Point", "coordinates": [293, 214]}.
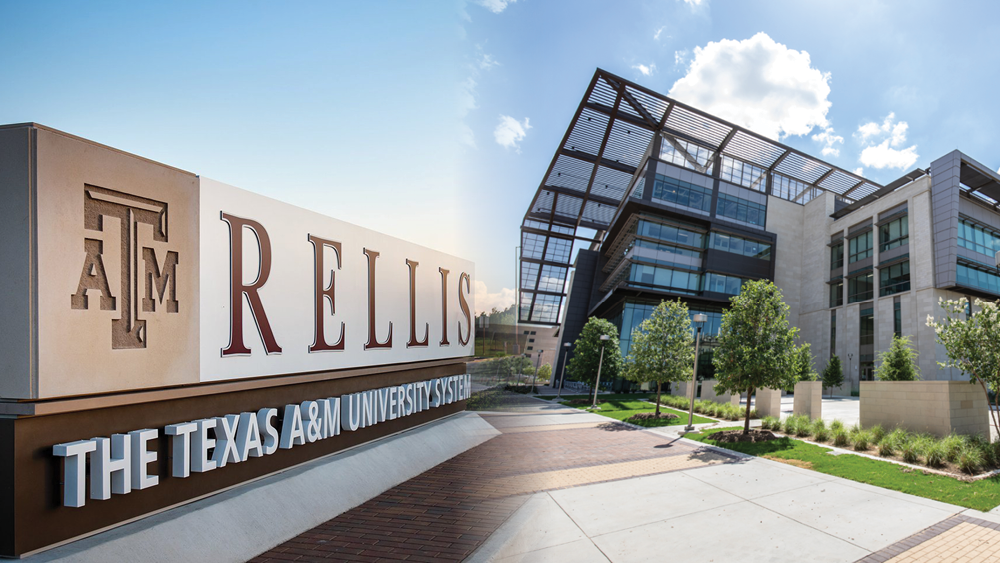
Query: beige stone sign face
{"type": "Point", "coordinates": [117, 269]}
{"type": "Point", "coordinates": [124, 274]}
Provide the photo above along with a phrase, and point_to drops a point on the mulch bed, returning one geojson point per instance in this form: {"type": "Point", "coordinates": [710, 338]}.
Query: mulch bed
{"type": "Point", "coordinates": [651, 416]}
{"type": "Point", "coordinates": [581, 402]}
{"type": "Point", "coordinates": [754, 436]}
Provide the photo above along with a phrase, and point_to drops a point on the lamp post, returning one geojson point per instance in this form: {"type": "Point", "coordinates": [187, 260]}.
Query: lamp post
{"type": "Point", "coordinates": [850, 368]}
{"type": "Point", "coordinates": [600, 362]}
{"type": "Point", "coordinates": [534, 376]}
{"type": "Point", "coordinates": [562, 378]}
{"type": "Point", "coordinates": [699, 320]}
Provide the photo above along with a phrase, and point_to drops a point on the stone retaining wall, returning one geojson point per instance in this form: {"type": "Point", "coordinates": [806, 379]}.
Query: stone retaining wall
{"type": "Point", "coordinates": [936, 407]}
{"type": "Point", "coordinates": [809, 399]}
{"type": "Point", "coordinates": [768, 402]}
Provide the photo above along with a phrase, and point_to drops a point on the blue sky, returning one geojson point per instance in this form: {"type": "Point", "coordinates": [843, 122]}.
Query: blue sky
{"type": "Point", "coordinates": [434, 121]}
{"type": "Point", "coordinates": [929, 65]}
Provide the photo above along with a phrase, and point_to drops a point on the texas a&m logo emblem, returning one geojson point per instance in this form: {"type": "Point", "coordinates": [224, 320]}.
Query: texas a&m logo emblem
{"type": "Point", "coordinates": [135, 216]}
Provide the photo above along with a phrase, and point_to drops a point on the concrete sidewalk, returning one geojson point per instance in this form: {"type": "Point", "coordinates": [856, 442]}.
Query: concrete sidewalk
{"type": "Point", "coordinates": [748, 509]}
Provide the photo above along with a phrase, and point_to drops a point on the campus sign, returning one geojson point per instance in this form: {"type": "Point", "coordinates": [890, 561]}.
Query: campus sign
{"type": "Point", "coordinates": [167, 336]}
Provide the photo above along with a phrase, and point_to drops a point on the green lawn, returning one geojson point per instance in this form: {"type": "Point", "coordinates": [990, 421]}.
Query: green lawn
{"type": "Point", "coordinates": [983, 495]}
{"type": "Point", "coordinates": [621, 407]}
{"type": "Point", "coordinates": [616, 397]}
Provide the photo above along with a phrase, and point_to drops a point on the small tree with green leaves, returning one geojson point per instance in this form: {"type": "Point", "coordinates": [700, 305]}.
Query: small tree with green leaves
{"type": "Point", "coordinates": [587, 354]}
{"type": "Point", "coordinates": [898, 363]}
{"type": "Point", "coordinates": [756, 347]}
{"type": "Point", "coordinates": [804, 364]}
{"type": "Point", "coordinates": [971, 345]}
{"type": "Point", "coordinates": [662, 347]}
{"type": "Point", "coordinates": [545, 371]}
{"type": "Point", "coordinates": [833, 374]}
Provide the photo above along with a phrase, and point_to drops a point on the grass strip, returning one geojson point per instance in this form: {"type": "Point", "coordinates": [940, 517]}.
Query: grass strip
{"type": "Point", "coordinates": [625, 409]}
{"type": "Point", "coordinates": [982, 495]}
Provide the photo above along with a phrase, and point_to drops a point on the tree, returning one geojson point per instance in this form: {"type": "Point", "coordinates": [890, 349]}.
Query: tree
{"type": "Point", "coordinates": [833, 374]}
{"type": "Point", "coordinates": [971, 345]}
{"type": "Point", "coordinates": [898, 363]}
{"type": "Point", "coordinates": [756, 347]}
{"type": "Point", "coordinates": [662, 347]}
{"type": "Point", "coordinates": [545, 371]}
{"type": "Point", "coordinates": [804, 360]}
{"type": "Point", "coordinates": [587, 353]}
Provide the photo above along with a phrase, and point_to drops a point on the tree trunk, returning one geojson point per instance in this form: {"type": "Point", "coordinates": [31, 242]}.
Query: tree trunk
{"type": "Point", "coordinates": [746, 423]}
{"type": "Point", "coordinates": [657, 399]}
{"type": "Point", "coordinates": [994, 416]}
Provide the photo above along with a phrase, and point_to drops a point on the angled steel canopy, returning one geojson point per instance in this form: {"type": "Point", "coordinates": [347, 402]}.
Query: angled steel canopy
{"type": "Point", "coordinates": [594, 167]}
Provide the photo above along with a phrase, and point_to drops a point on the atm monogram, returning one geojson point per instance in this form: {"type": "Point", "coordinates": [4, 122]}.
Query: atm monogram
{"type": "Point", "coordinates": [160, 280]}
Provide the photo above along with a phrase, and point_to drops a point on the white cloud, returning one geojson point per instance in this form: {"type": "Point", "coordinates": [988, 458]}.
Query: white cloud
{"type": "Point", "coordinates": [882, 156]}
{"type": "Point", "coordinates": [486, 61]}
{"type": "Point", "coordinates": [656, 36]}
{"type": "Point", "coordinates": [758, 83]}
{"type": "Point", "coordinates": [466, 136]}
{"type": "Point", "coordinates": [510, 132]}
{"type": "Point", "coordinates": [467, 97]}
{"type": "Point", "coordinates": [497, 6]}
{"type": "Point", "coordinates": [885, 154]}
{"type": "Point", "coordinates": [828, 138]}
{"type": "Point", "coordinates": [486, 301]}
{"type": "Point", "coordinates": [681, 57]}
{"type": "Point", "coordinates": [645, 70]}
{"type": "Point", "coordinates": [859, 171]}
{"type": "Point", "coordinates": [693, 3]}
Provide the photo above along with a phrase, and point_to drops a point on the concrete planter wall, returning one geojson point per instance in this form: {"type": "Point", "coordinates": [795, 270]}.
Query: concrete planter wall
{"type": "Point", "coordinates": [768, 402]}
{"type": "Point", "coordinates": [809, 399]}
{"type": "Point", "coordinates": [708, 393]}
{"type": "Point", "coordinates": [936, 407]}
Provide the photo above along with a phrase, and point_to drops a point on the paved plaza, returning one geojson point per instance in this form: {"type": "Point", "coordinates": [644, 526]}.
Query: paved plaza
{"type": "Point", "coordinates": [560, 484]}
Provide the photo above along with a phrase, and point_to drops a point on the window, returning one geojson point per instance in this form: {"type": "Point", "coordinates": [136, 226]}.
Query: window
{"type": "Point", "coordinates": [666, 278]}
{"type": "Point", "coordinates": [860, 247]}
{"type": "Point", "coordinates": [531, 340]}
{"type": "Point", "coordinates": [741, 209]}
{"type": "Point", "coordinates": [682, 193]}
{"type": "Point", "coordinates": [718, 283]}
{"type": "Point", "coordinates": [837, 256]}
{"type": "Point", "coordinates": [833, 333]}
{"type": "Point", "coordinates": [837, 294]}
{"type": "Point", "coordinates": [894, 279]}
{"type": "Point", "coordinates": [666, 254]}
{"type": "Point", "coordinates": [530, 348]}
{"type": "Point", "coordinates": [867, 326]}
{"type": "Point", "coordinates": [532, 332]}
{"type": "Point", "coordinates": [972, 276]}
{"type": "Point", "coordinates": [668, 233]}
{"type": "Point", "coordinates": [681, 153]}
{"type": "Point", "coordinates": [859, 288]}
{"type": "Point", "coordinates": [977, 238]}
{"type": "Point", "coordinates": [793, 190]}
{"type": "Point", "coordinates": [897, 319]}
{"type": "Point", "coordinates": [743, 174]}
{"type": "Point", "coordinates": [740, 245]}
{"type": "Point", "coordinates": [893, 234]}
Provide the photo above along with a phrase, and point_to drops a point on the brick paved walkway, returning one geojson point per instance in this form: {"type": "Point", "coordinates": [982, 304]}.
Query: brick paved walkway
{"type": "Point", "coordinates": [959, 538]}
{"type": "Point", "coordinates": [449, 511]}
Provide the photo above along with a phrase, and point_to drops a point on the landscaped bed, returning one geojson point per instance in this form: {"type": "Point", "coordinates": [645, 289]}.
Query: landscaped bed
{"type": "Point", "coordinates": [981, 494]}
{"type": "Point", "coordinates": [633, 409]}
{"type": "Point", "coordinates": [961, 456]}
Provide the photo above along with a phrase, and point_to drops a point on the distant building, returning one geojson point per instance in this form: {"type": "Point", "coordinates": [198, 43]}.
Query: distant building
{"type": "Point", "coordinates": [666, 201]}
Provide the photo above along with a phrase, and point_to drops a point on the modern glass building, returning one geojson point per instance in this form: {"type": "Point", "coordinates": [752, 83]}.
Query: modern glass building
{"type": "Point", "coordinates": [662, 201]}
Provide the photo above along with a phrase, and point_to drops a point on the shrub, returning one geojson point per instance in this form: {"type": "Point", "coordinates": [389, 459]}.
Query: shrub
{"type": "Point", "coordinates": [886, 447]}
{"type": "Point", "coordinates": [910, 451]}
{"type": "Point", "coordinates": [836, 425]}
{"type": "Point", "coordinates": [970, 458]}
{"type": "Point", "coordinates": [897, 437]}
{"type": "Point", "coordinates": [952, 445]}
{"type": "Point", "coordinates": [935, 454]}
{"type": "Point", "coordinates": [878, 433]}
{"type": "Point", "coordinates": [818, 425]}
{"type": "Point", "coordinates": [862, 439]}
{"type": "Point", "coordinates": [821, 434]}
{"type": "Point", "coordinates": [770, 423]}
{"type": "Point", "coordinates": [840, 438]}
{"type": "Point", "coordinates": [753, 413]}
{"type": "Point", "coordinates": [803, 427]}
